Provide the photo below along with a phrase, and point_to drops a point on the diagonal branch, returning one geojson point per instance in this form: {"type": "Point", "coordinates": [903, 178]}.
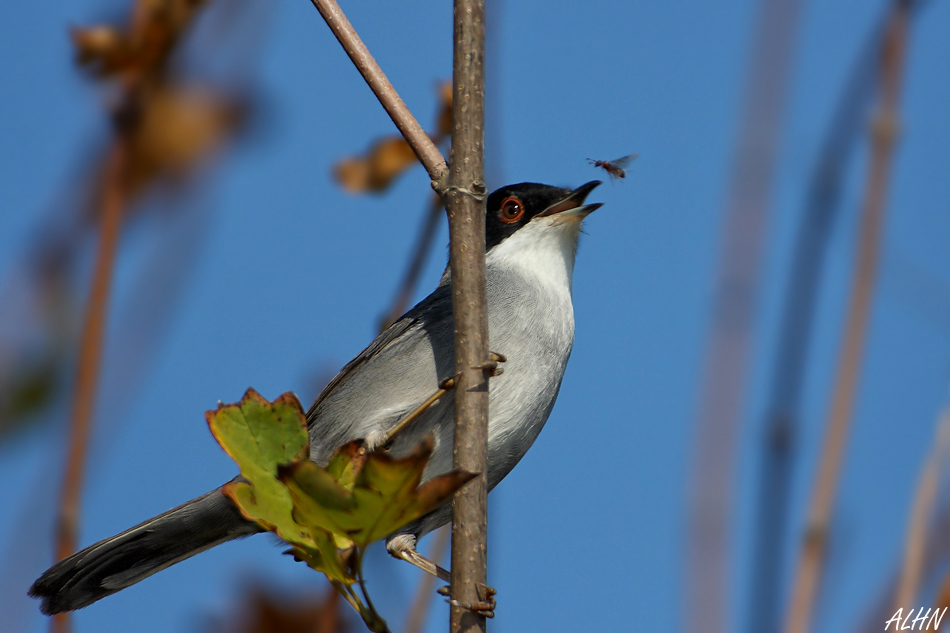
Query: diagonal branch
{"type": "Point", "coordinates": [780, 447]}
{"type": "Point", "coordinates": [429, 155]}
{"type": "Point", "coordinates": [921, 517]}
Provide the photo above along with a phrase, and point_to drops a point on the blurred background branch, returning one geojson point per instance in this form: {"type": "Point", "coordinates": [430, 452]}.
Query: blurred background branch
{"type": "Point", "coordinates": [145, 119]}
{"type": "Point", "coordinates": [884, 132]}
{"type": "Point", "coordinates": [780, 436]}
{"type": "Point", "coordinates": [725, 374]}
{"type": "Point", "coordinates": [113, 201]}
{"type": "Point", "coordinates": [921, 517]}
{"type": "Point", "coordinates": [165, 127]}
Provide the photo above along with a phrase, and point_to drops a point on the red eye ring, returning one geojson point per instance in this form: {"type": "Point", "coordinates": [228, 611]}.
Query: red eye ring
{"type": "Point", "coordinates": [511, 210]}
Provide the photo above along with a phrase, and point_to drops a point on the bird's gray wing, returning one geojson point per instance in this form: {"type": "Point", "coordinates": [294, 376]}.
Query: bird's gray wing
{"type": "Point", "coordinates": [388, 379]}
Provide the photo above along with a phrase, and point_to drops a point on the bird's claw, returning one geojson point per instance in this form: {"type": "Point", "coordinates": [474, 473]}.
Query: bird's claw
{"type": "Point", "coordinates": [491, 365]}
{"type": "Point", "coordinates": [484, 607]}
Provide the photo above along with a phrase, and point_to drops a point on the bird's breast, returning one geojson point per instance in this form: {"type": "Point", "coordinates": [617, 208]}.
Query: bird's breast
{"type": "Point", "coordinates": [532, 325]}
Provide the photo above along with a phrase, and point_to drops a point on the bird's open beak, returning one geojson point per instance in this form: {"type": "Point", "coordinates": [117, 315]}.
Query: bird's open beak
{"type": "Point", "coordinates": [572, 207]}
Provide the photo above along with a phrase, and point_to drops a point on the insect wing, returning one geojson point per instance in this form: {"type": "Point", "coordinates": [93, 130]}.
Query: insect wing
{"type": "Point", "coordinates": [624, 161]}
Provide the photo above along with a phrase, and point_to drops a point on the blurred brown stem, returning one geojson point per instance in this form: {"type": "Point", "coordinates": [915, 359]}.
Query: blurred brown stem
{"type": "Point", "coordinates": [883, 136]}
{"type": "Point", "coordinates": [90, 353]}
{"type": "Point", "coordinates": [422, 602]}
{"type": "Point", "coordinates": [429, 155]}
{"type": "Point", "coordinates": [780, 446]}
{"type": "Point", "coordinates": [921, 514]}
{"type": "Point", "coordinates": [411, 279]}
{"type": "Point", "coordinates": [738, 278]}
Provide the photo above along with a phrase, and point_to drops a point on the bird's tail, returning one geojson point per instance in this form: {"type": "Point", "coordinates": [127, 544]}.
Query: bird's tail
{"type": "Point", "coordinates": [125, 559]}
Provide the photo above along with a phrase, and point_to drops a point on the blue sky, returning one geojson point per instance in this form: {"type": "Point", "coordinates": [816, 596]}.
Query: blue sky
{"type": "Point", "coordinates": [288, 276]}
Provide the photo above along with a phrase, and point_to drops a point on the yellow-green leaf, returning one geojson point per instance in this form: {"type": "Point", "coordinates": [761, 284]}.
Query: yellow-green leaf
{"type": "Point", "coordinates": [385, 496]}
{"type": "Point", "coordinates": [346, 463]}
{"type": "Point", "coordinates": [325, 557]}
{"type": "Point", "coordinates": [260, 436]}
{"type": "Point", "coordinates": [318, 500]}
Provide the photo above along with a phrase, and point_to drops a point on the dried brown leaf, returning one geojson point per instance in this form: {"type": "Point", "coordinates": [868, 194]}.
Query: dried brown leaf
{"type": "Point", "coordinates": [103, 49]}
{"type": "Point", "coordinates": [375, 170]}
{"type": "Point", "coordinates": [260, 610]}
{"type": "Point", "coordinates": [444, 120]}
{"type": "Point", "coordinates": [143, 46]}
{"type": "Point", "coordinates": [179, 127]}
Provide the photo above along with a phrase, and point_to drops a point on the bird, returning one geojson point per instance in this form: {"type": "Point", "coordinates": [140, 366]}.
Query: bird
{"type": "Point", "coordinates": [531, 238]}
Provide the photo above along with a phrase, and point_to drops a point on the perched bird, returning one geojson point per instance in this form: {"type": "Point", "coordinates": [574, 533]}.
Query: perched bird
{"type": "Point", "coordinates": [531, 233]}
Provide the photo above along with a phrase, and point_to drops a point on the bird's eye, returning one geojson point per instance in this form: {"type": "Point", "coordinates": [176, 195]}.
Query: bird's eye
{"type": "Point", "coordinates": [511, 209]}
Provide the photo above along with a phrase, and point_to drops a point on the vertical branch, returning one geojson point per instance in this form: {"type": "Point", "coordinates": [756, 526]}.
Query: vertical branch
{"type": "Point", "coordinates": [464, 198]}
{"type": "Point", "coordinates": [884, 132]}
{"type": "Point", "coordinates": [727, 357]}
{"type": "Point", "coordinates": [90, 352]}
{"type": "Point", "coordinates": [465, 202]}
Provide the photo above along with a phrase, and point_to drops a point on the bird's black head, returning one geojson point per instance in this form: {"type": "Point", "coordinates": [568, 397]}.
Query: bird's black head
{"type": "Point", "coordinates": [512, 207]}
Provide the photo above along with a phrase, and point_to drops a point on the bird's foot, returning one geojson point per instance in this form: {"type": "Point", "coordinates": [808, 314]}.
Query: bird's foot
{"type": "Point", "coordinates": [403, 547]}
{"type": "Point", "coordinates": [491, 365]}
{"type": "Point", "coordinates": [484, 606]}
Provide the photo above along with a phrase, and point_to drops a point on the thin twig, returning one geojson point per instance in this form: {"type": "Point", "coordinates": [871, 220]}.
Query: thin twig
{"type": "Point", "coordinates": [90, 353]}
{"type": "Point", "coordinates": [920, 517]}
{"type": "Point", "coordinates": [422, 601]}
{"type": "Point", "coordinates": [347, 592]}
{"type": "Point", "coordinates": [429, 155]}
{"type": "Point", "coordinates": [465, 202]}
{"type": "Point", "coordinates": [883, 137]}
{"type": "Point", "coordinates": [444, 387]}
{"type": "Point", "coordinates": [375, 622]}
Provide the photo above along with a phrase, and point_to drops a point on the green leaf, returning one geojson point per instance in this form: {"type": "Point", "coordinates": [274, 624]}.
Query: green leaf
{"type": "Point", "coordinates": [328, 515]}
{"type": "Point", "coordinates": [260, 436]}
{"type": "Point", "coordinates": [385, 497]}
{"type": "Point", "coordinates": [318, 500]}
{"type": "Point", "coordinates": [346, 463]}
{"type": "Point", "coordinates": [325, 557]}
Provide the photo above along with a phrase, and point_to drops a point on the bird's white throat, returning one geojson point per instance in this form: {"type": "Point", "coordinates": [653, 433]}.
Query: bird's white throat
{"type": "Point", "coordinates": [543, 251]}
